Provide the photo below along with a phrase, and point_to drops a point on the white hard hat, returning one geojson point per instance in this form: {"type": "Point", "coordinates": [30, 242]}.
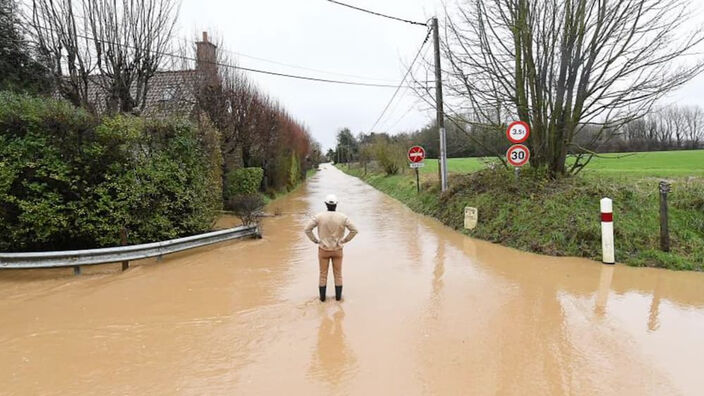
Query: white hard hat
{"type": "Point", "coordinates": [331, 199]}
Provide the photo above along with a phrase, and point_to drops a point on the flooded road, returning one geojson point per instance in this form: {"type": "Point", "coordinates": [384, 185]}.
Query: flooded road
{"type": "Point", "coordinates": [425, 311]}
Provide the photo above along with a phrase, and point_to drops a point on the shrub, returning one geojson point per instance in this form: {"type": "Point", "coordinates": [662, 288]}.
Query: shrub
{"type": "Point", "coordinates": [242, 181]}
{"type": "Point", "coordinates": [294, 172]}
{"type": "Point", "coordinates": [390, 156]}
{"type": "Point", "coordinates": [69, 180]}
{"type": "Point", "coordinates": [247, 207]}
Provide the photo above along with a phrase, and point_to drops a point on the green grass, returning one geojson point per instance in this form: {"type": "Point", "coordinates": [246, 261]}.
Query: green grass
{"type": "Point", "coordinates": [310, 172]}
{"type": "Point", "coordinates": [273, 196]}
{"type": "Point", "coordinates": [560, 217]}
{"type": "Point", "coordinates": [650, 164]}
{"type": "Point", "coordinates": [456, 165]}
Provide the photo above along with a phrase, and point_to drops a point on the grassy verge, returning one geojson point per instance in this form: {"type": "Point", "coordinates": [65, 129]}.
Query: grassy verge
{"type": "Point", "coordinates": [561, 218]}
{"type": "Point", "coordinates": [310, 172]}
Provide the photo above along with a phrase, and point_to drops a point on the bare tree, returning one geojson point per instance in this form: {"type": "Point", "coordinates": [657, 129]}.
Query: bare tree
{"type": "Point", "coordinates": [694, 123]}
{"type": "Point", "coordinates": [58, 32]}
{"type": "Point", "coordinates": [666, 128]}
{"type": "Point", "coordinates": [129, 39]}
{"type": "Point", "coordinates": [665, 121]}
{"type": "Point", "coordinates": [124, 41]}
{"type": "Point", "coordinates": [255, 130]}
{"type": "Point", "coordinates": [563, 65]}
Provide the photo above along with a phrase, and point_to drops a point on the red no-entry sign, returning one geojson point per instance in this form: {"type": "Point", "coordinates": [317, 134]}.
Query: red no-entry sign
{"type": "Point", "coordinates": [518, 155]}
{"type": "Point", "coordinates": [416, 154]}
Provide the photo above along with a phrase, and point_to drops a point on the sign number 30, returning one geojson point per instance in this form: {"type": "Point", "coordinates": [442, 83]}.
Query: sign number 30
{"type": "Point", "coordinates": [518, 155]}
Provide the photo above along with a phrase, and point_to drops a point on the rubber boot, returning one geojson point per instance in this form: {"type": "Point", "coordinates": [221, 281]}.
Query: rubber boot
{"type": "Point", "coordinates": [322, 290]}
{"type": "Point", "coordinates": [338, 293]}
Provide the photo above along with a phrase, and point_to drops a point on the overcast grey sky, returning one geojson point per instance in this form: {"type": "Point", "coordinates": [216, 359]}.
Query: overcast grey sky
{"type": "Point", "coordinates": [321, 35]}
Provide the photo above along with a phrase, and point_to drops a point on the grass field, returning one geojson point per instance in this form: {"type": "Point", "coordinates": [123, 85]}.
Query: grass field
{"type": "Point", "coordinates": [650, 164]}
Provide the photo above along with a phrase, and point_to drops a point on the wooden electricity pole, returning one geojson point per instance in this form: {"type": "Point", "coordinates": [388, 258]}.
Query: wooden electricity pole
{"type": "Point", "coordinates": [440, 115]}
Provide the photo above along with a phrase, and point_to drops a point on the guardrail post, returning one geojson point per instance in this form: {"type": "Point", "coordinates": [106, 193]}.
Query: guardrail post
{"type": "Point", "coordinates": [77, 270]}
{"type": "Point", "coordinates": [123, 239]}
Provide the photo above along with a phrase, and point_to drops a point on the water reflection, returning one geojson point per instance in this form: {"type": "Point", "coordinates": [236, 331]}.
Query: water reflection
{"type": "Point", "coordinates": [333, 360]}
{"type": "Point", "coordinates": [438, 274]}
{"type": "Point", "coordinates": [653, 321]}
{"type": "Point", "coordinates": [602, 295]}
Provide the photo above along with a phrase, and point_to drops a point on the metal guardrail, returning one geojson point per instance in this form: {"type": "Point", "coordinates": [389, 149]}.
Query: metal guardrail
{"type": "Point", "coordinates": [77, 258]}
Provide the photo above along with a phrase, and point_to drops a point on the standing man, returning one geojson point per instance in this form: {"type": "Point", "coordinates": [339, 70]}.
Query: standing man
{"type": "Point", "coordinates": [331, 237]}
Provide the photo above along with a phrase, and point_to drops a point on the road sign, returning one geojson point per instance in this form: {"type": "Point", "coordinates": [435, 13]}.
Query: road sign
{"type": "Point", "coordinates": [518, 155]}
{"type": "Point", "coordinates": [416, 154]}
{"type": "Point", "coordinates": [417, 164]}
{"type": "Point", "coordinates": [471, 215]}
{"type": "Point", "coordinates": [518, 132]}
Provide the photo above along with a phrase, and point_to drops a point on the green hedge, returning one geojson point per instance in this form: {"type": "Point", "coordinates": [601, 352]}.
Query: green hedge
{"type": "Point", "coordinates": [69, 180]}
{"type": "Point", "coordinates": [242, 181]}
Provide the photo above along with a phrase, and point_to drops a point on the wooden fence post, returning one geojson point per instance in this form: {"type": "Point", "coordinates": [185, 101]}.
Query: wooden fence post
{"type": "Point", "coordinates": [664, 220]}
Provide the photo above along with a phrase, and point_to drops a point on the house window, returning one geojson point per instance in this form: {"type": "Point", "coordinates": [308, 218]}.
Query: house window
{"type": "Point", "coordinates": [168, 95]}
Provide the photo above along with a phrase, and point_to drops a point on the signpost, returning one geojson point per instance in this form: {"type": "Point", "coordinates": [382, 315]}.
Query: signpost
{"type": "Point", "coordinates": [416, 156]}
{"type": "Point", "coordinates": [518, 154]}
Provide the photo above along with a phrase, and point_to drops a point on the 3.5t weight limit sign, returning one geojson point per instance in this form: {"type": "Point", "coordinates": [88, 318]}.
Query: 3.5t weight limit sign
{"type": "Point", "coordinates": [518, 132]}
{"type": "Point", "coordinates": [518, 155]}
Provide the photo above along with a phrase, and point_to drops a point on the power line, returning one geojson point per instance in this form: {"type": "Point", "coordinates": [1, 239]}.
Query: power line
{"type": "Point", "coordinates": [303, 67]}
{"type": "Point", "coordinates": [410, 67]}
{"type": "Point", "coordinates": [299, 77]}
{"type": "Point", "coordinates": [403, 94]}
{"type": "Point", "coordinates": [411, 108]}
{"type": "Point", "coordinates": [249, 69]}
{"type": "Point", "coordinates": [378, 14]}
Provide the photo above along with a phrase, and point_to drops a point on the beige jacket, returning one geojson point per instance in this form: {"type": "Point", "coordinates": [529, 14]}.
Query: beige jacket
{"type": "Point", "coordinates": [331, 230]}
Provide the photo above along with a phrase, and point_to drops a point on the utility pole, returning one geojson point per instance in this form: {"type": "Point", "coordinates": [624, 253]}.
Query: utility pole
{"type": "Point", "coordinates": [440, 111]}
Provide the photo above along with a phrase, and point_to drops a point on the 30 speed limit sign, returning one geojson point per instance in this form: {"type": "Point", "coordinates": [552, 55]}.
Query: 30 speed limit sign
{"type": "Point", "coordinates": [518, 155]}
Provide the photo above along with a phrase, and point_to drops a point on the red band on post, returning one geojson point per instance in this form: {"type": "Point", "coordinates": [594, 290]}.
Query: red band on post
{"type": "Point", "coordinates": [607, 217]}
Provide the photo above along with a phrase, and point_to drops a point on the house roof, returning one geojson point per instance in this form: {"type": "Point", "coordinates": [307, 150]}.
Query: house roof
{"type": "Point", "coordinates": [169, 93]}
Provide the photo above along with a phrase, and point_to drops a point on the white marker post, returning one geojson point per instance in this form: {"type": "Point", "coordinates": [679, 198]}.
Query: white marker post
{"type": "Point", "coordinates": [607, 231]}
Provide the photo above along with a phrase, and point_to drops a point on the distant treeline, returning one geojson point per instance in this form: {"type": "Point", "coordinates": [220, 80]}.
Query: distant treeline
{"type": "Point", "coordinates": [666, 128]}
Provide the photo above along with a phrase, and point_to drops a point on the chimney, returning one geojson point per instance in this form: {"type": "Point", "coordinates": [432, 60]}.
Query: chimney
{"type": "Point", "coordinates": [206, 57]}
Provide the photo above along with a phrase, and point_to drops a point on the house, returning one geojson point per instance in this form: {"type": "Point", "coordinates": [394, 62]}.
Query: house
{"type": "Point", "coordinates": [169, 92]}
{"type": "Point", "coordinates": [173, 93]}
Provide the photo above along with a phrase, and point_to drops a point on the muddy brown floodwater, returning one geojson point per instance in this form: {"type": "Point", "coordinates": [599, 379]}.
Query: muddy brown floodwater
{"type": "Point", "coordinates": [426, 311]}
